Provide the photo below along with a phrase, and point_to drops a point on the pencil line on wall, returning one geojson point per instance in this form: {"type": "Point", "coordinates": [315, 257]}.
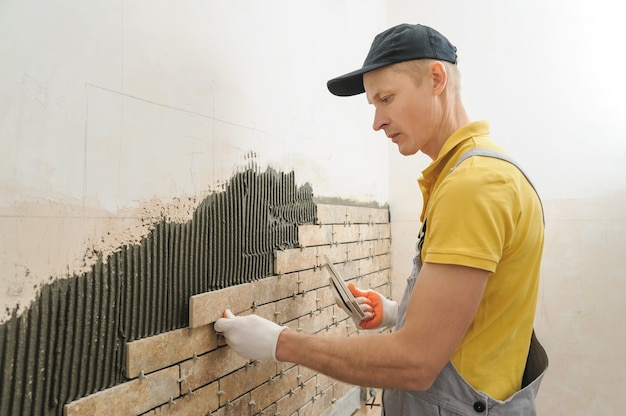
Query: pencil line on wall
{"type": "Point", "coordinates": [134, 97]}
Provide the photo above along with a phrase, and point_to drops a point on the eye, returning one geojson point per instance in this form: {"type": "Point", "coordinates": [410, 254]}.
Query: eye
{"type": "Point", "coordinates": [386, 99]}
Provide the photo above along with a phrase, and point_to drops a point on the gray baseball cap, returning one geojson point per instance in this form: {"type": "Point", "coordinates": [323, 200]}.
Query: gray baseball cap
{"type": "Point", "coordinates": [400, 43]}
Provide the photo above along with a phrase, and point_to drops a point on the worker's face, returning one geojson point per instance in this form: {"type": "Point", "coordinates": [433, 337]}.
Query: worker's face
{"type": "Point", "coordinates": [404, 110]}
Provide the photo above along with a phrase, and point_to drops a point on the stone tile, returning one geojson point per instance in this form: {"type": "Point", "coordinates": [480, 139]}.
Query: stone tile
{"type": "Point", "coordinates": [375, 263]}
{"type": "Point", "coordinates": [348, 268]}
{"type": "Point", "coordinates": [365, 215]}
{"type": "Point", "coordinates": [198, 403]}
{"type": "Point", "coordinates": [324, 382]}
{"type": "Point", "coordinates": [306, 374]}
{"type": "Point", "coordinates": [283, 367]}
{"type": "Point", "coordinates": [385, 231]}
{"type": "Point", "coordinates": [340, 389]}
{"type": "Point", "coordinates": [360, 215]}
{"type": "Point", "coordinates": [296, 398]}
{"type": "Point", "coordinates": [160, 351]}
{"type": "Point", "coordinates": [381, 246]}
{"type": "Point", "coordinates": [331, 214]}
{"type": "Point", "coordinates": [209, 367]}
{"type": "Point", "coordinates": [363, 282]}
{"type": "Point", "coordinates": [341, 316]}
{"type": "Point", "coordinates": [239, 407]}
{"type": "Point", "coordinates": [342, 328]}
{"type": "Point", "coordinates": [343, 233]}
{"type": "Point", "coordinates": [271, 410]}
{"type": "Point", "coordinates": [206, 308]}
{"type": "Point", "coordinates": [292, 308]}
{"type": "Point", "coordinates": [335, 253]}
{"type": "Point", "coordinates": [332, 330]}
{"type": "Point", "coordinates": [130, 398]}
{"type": "Point", "coordinates": [327, 297]}
{"type": "Point", "coordinates": [356, 251]}
{"type": "Point", "coordinates": [246, 379]}
{"type": "Point", "coordinates": [266, 311]}
{"type": "Point", "coordinates": [296, 259]}
{"type": "Point", "coordinates": [313, 279]}
{"type": "Point", "coordinates": [366, 266]}
{"type": "Point", "coordinates": [379, 278]}
{"type": "Point", "coordinates": [338, 214]}
{"type": "Point", "coordinates": [312, 323]}
{"type": "Point", "coordinates": [293, 325]}
{"type": "Point", "coordinates": [380, 215]}
{"type": "Point", "coordinates": [314, 235]}
{"type": "Point", "coordinates": [374, 248]}
{"type": "Point", "coordinates": [318, 404]}
{"type": "Point", "coordinates": [349, 328]}
{"type": "Point", "coordinates": [274, 288]}
{"type": "Point", "coordinates": [270, 392]}
{"type": "Point", "coordinates": [384, 290]}
{"type": "Point", "coordinates": [370, 232]}
{"type": "Point", "coordinates": [382, 261]}
{"type": "Point", "coordinates": [349, 252]}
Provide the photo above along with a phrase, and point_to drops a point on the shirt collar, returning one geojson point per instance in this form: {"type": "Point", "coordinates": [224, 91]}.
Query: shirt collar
{"type": "Point", "coordinates": [431, 174]}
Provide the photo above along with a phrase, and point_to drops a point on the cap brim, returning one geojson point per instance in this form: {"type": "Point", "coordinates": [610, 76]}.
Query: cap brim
{"type": "Point", "coordinates": [351, 83]}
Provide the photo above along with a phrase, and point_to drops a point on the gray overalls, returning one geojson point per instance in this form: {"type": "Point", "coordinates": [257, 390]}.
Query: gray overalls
{"type": "Point", "coordinates": [450, 394]}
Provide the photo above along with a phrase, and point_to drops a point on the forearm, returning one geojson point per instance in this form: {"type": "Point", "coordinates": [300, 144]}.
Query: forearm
{"type": "Point", "coordinates": [440, 310]}
{"type": "Point", "coordinates": [360, 360]}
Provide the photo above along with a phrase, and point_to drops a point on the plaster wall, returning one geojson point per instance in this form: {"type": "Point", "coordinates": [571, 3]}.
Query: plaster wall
{"type": "Point", "coordinates": [115, 116]}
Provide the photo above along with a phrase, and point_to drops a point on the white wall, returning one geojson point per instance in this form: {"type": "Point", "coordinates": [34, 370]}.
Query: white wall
{"type": "Point", "coordinates": [547, 76]}
{"type": "Point", "coordinates": [114, 112]}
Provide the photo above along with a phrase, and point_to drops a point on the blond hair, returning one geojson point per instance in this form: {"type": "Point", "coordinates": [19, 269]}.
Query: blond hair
{"type": "Point", "coordinates": [418, 68]}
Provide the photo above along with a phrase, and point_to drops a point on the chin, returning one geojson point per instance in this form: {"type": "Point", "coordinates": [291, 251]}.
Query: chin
{"type": "Point", "coordinates": [406, 152]}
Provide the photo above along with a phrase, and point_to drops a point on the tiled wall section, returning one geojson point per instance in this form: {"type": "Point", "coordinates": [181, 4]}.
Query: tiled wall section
{"type": "Point", "coordinates": [190, 371]}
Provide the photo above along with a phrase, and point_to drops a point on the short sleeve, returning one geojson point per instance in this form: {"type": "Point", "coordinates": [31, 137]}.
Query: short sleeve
{"type": "Point", "coordinates": [470, 214]}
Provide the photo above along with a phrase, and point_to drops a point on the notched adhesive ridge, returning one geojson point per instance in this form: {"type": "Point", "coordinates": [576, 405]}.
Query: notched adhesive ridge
{"type": "Point", "coordinates": [70, 341]}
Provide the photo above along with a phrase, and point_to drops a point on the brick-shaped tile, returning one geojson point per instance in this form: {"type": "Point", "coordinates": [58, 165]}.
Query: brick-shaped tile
{"type": "Point", "coordinates": [163, 350]}
{"type": "Point", "coordinates": [206, 308]}
{"type": "Point", "coordinates": [131, 398]}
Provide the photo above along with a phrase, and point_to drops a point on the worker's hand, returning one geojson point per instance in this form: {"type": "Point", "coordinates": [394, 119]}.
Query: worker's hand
{"type": "Point", "coordinates": [379, 311]}
{"type": "Point", "coordinates": [250, 336]}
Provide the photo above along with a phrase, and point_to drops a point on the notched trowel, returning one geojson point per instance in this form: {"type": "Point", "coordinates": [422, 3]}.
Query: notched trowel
{"type": "Point", "coordinates": [344, 297]}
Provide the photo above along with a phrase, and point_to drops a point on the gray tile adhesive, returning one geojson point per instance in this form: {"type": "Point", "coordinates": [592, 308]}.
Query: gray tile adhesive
{"type": "Point", "coordinates": [70, 341]}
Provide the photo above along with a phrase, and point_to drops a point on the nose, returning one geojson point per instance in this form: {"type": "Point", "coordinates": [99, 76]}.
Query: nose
{"type": "Point", "coordinates": [380, 121]}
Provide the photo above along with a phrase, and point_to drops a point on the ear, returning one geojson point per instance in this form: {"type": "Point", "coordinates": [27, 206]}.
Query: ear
{"type": "Point", "coordinates": [439, 76]}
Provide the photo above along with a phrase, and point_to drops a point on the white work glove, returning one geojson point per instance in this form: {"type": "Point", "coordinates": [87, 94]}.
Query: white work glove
{"type": "Point", "coordinates": [250, 336]}
{"type": "Point", "coordinates": [380, 312]}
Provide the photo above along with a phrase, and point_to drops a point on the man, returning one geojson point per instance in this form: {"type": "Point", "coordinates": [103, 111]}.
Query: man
{"type": "Point", "coordinates": [462, 342]}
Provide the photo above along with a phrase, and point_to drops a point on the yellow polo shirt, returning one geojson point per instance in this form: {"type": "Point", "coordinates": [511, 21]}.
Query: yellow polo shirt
{"type": "Point", "coordinates": [486, 215]}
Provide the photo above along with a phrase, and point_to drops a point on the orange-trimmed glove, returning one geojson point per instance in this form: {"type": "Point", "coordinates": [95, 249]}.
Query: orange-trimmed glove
{"type": "Point", "coordinates": [250, 336]}
{"type": "Point", "coordinates": [379, 311]}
